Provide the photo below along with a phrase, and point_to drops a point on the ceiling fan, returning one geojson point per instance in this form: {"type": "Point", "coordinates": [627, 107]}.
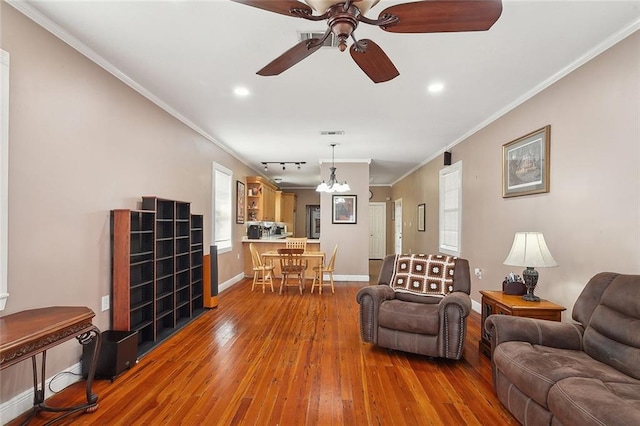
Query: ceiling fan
{"type": "Point", "coordinates": [343, 17]}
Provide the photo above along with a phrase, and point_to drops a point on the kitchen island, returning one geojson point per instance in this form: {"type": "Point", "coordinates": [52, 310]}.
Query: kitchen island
{"type": "Point", "coordinates": [273, 243]}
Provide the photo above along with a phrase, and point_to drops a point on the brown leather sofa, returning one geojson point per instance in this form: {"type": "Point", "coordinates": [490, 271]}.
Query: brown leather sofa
{"type": "Point", "coordinates": [426, 325]}
{"type": "Point", "coordinates": [550, 373]}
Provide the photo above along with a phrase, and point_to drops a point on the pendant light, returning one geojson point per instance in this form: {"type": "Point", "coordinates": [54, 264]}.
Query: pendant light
{"type": "Point", "coordinates": [333, 185]}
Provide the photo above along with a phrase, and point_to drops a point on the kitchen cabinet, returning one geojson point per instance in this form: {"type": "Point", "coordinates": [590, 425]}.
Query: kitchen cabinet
{"type": "Point", "coordinates": [261, 199]}
{"type": "Point", "coordinates": [286, 209]}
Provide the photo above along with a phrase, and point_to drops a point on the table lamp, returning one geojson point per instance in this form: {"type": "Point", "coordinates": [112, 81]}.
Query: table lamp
{"type": "Point", "coordinates": [530, 250]}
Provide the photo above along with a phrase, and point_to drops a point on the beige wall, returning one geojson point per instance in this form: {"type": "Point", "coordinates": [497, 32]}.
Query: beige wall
{"type": "Point", "coordinates": [352, 239]}
{"type": "Point", "coordinates": [82, 143]}
{"type": "Point", "coordinates": [590, 217]}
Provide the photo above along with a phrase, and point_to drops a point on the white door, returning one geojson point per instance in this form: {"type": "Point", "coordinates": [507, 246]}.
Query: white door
{"type": "Point", "coordinates": [377, 230]}
{"type": "Point", "coordinates": [398, 226]}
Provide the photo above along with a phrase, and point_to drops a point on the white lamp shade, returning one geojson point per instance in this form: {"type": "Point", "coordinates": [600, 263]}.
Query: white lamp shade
{"type": "Point", "coordinates": [530, 250]}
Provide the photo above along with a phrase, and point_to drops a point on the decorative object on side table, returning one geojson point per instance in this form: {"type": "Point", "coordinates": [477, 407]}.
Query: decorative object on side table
{"type": "Point", "coordinates": [530, 250]}
{"type": "Point", "coordinates": [513, 285]}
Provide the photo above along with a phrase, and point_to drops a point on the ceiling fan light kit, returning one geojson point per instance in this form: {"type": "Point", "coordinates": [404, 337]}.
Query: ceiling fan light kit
{"type": "Point", "coordinates": [343, 17]}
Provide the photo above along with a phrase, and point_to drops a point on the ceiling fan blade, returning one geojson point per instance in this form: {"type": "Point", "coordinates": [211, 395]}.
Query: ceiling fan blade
{"type": "Point", "coordinates": [373, 61]}
{"type": "Point", "coordinates": [278, 6]}
{"type": "Point", "coordinates": [434, 16]}
{"type": "Point", "coordinates": [291, 57]}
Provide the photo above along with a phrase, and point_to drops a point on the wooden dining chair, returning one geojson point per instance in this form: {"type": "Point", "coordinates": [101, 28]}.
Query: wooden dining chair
{"type": "Point", "coordinates": [318, 273]}
{"type": "Point", "coordinates": [262, 273]}
{"type": "Point", "coordinates": [296, 243]}
{"type": "Point", "coordinates": [292, 264]}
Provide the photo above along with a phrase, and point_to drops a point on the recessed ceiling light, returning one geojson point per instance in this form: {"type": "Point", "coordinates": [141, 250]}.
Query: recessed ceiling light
{"type": "Point", "coordinates": [435, 87]}
{"type": "Point", "coordinates": [241, 91]}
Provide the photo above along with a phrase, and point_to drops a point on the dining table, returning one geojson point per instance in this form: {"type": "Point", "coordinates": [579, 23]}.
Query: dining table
{"type": "Point", "coordinates": [316, 258]}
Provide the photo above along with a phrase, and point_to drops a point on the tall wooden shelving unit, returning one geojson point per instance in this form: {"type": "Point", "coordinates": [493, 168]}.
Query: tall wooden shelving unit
{"type": "Point", "coordinates": [157, 269]}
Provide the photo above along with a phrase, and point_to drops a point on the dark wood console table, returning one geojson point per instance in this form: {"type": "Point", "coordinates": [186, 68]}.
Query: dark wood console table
{"type": "Point", "coordinates": [28, 333]}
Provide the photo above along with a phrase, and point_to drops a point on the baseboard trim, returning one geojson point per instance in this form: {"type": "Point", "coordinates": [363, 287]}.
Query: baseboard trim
{"type": "Point", "coordinates": [360, 278]}
{"type": "Point", "coordinates": [23, 402]}
{"type": "Point", "coordinates": [231, 282]}
{"type": "Point", "coordinates": [476, 306]}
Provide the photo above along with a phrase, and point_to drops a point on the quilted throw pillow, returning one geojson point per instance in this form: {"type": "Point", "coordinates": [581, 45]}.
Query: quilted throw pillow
{"type": "Point", "coordinates": [423, 275]}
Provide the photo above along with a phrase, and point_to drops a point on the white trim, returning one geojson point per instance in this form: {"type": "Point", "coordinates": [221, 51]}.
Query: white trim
{"type": "Point", "coordinates": [216, 167]}
{"type": "Point", "coordinates": [359, 278]}
{"type": "Point", "coordinates": [445, 173]}
{"type": "Point", "coordinates": [4, 176]}
{"type": "Point", "coordinates": [23, 402]}
{"type": "Point", "coordinates": [476, 307]}
{"type": "Point", "coordinates": [231, 282]}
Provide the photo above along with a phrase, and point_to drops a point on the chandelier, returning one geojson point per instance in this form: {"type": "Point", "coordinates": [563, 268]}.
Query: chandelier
{"type": "Point", "coordinates": [333, 185]}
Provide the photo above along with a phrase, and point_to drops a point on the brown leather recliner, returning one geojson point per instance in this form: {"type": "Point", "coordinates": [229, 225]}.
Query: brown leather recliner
{"type": "Point", "coordinates": [426, 325]}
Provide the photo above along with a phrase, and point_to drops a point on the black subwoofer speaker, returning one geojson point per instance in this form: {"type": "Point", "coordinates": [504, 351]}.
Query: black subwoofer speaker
{"type": "Point", "coordinates": [211, 278]}
{"type": "Point", "coordinates": [118, 353]}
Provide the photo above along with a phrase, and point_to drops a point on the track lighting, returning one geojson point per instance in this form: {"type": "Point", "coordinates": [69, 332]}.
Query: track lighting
{"type": "Point", "coordinates": [298, 164]}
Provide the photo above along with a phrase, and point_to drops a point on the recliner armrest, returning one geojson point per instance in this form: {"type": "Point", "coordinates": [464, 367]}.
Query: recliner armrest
{"type": "Point", "coordinates": [462, 300]}
{"type": "Point", "coordinates": [506, 328]}
{"type": "Point", "coordinates": [370, 298]}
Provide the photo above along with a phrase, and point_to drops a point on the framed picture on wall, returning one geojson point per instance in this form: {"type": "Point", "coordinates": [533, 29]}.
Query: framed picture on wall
{"type": "Point", "coordinates": [525, 164]}
{"type": "Point", "coordinates": [345, 209]}
{"type": "Point", "coordinates": [421, 217]}
{"type": "Point", "coordinates": [240, 204]}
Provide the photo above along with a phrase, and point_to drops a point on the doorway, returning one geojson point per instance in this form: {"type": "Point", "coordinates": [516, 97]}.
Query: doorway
{"type": "Point", "coordinates": [397, 235]}
{"type": "Point", "coordinates": [313, 221]}
{"type": "Point", "coordinates": [377, 230]}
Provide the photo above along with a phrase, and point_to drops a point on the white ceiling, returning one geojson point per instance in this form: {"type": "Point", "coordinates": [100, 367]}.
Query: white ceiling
{"type": "Point", "coordinates": [188, 56]}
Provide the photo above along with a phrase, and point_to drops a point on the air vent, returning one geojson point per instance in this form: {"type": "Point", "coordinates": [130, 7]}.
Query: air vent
{"type": "Point", "coordinates": [331, 41]}
{"type": "Point", "coordinates": [332, 132]}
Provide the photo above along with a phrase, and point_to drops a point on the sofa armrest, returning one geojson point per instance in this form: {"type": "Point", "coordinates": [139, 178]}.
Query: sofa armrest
{"type": "Point", "coordinates": [505, 328]}
{"type": "Point", "coordinates": [370, 298]}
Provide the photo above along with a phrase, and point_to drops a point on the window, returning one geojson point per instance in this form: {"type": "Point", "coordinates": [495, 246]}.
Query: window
{"type": "Point", "coordinates": [451, 209]}
{"type": "Point", "coordinates": [222, 207]}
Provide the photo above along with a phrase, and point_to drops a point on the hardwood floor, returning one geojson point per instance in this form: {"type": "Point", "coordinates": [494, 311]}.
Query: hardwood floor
{"type": "Point", "coordinates": [265, 359]}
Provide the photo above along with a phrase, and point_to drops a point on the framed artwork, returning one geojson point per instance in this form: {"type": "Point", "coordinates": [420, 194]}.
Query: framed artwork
{"type": "Point", "coordinates": [421, 217]}
{"type": "Point", "coordinates": [345, 209]}
{"type": "Point", "coordinates": [240, 204]}
{"type": "Point", "coordinates": [525, 164]}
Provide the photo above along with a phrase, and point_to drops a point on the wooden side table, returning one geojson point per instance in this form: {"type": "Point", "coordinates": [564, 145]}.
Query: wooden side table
{"type": "Point", "coordinates": [26, 334]}
{"type": "Point", "coordinates": [497, 302]}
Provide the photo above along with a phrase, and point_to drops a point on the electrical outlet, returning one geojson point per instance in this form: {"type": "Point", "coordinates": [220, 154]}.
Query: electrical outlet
{"type": "Point", "coordinates": [478, 273]}
{"type": "Point", "coordinates": [105, 303]}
